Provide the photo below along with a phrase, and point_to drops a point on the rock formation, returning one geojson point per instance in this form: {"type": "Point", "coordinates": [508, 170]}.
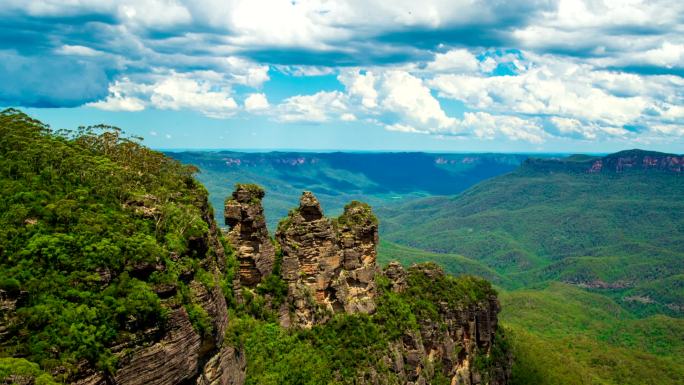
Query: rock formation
{"type": "Point", "coordinates": [451, 345]}
{"type": "Point", "coordinates": [329, 265]}
{"type": "Point", "coordinates": [248, 234]}
{"type": "Point", "coordinates": [179, 354]}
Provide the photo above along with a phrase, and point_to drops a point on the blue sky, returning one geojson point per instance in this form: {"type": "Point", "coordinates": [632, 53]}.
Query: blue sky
{"type": "Point", "coordinates": [459, 75]}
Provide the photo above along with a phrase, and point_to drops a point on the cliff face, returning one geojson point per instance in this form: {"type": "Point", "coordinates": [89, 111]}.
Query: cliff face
{"type": "Point", "coordinates": [180, 353]}
{"type": "Point", "coordinates": [633, 160]}
{"type": "Point", "coordinates": [460, 343]}
{"type": "Point", "coordinates": [622, 162]}
{"type": "Point", "coordinates": [248, 234]}
{"type": "Point", "coordinates": [328, 265]}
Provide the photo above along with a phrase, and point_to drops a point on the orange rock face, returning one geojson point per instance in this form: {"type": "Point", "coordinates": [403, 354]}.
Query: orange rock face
{"type": "Point", "coordinates": [329, 265]}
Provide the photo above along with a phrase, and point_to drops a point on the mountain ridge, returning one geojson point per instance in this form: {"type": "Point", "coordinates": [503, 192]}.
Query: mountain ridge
{"type": "Point", "coordinates": [619, 162]}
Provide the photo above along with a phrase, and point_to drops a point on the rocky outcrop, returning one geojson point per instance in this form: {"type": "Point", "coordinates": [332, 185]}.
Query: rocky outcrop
{"type": "Point", "coordinates": [248, 234]}
{"type": "Point", "coordinates": [179, 353]}
{"type": "Point", "coordinates": [328, 265]}
{"type": "Point", "coordinates": [397, 276]}
{"type": "Point", "coordinates": [10, 298]}
{"type": "Point", "coordinates": [226, 368]}
{"type": "Point", "coordinates": [623, 162]}
{"type": "Point", "coordinates": [461, 344]}
{"type": "Point", "coordinates": [632, 160]}
{"type": "Point", "coordinates": [173, 360]}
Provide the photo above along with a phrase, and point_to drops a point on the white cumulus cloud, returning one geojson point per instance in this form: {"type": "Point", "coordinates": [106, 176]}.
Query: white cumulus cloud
{"type": "Point", "coordinates": [256, 102]}
{"type": "Point", "coordinates": [172, 91]}
{"type": "Point", "coordinates": [456, 60]}
{"type": "Point", "coordinates": [320, 107]}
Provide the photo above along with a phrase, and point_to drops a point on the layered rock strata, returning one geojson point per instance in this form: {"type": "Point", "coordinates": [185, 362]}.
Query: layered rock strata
{"type": "Point", "coordinates": [248, 234]}
{"type": "Point", "coordinates": [179, 354]}
{"type": "Point", "coordinates": [328, 265]}
{"type": "Point", "coordinates": [453, 345]}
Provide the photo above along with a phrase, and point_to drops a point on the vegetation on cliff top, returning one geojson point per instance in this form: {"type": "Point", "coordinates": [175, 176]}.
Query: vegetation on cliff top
{"type": "Point", "coordinates": [356, 212]}
{"type": "Point", "coordinates": [349, 347]}
{"type": "Point", "coordinates": [91, 224]}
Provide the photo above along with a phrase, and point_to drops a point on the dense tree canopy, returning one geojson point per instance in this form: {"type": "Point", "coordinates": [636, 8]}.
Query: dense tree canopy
{"type": "Point", "coordinates": [91, 222]}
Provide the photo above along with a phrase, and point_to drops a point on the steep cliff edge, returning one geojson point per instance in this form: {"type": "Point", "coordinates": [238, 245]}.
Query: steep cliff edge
{"type": "Point", "coordinates": [248, 234]}
{"type": "Point", "coordinates": [457, 335]}
{"type": "Point", "coordinates": [623, 162]}
{"type": "Point", "coordinates": [343, 320]}
{"type": "Point", "coordinates": [112, 268]}
{"type": "Point", "coordinates": [113, 271]}
{"type": "Point", "coordinates": [328, 265]}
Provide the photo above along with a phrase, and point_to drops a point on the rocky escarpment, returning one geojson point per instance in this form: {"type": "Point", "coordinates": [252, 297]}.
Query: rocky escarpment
{"type": "Point", "coordinates": [180, 353]}
{"type": "Point", "coordinates": [328, 265]}
{"type": "Point", "coordinates": [248, 234]}
{"type": "Point", "coordinates": [459, 341]}
{"type": "Point", "coordinates": [623, 162]}
{"type": "Point", "coordinates": [177, 353]}
{"type": "Point", "coordinates": [635, 160]}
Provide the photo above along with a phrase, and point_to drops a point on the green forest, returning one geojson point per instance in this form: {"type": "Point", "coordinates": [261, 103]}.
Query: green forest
{"type": "Point", "coordinates": [95, 226]}
{"type": "Point", "coordinates": [88, 219]}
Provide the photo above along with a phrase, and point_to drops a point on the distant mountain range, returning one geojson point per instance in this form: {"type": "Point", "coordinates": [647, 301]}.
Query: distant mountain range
{"type": "Point", "coordinates": [588, 251]}
{"type": "Point", "coordinates": [619, 162]}
{"type": "Point", "coordinates": [336, 178]}
{"type": "Point", "coordinates": [614, 222]}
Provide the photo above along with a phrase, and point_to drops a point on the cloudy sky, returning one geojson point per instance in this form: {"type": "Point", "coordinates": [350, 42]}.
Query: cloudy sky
{"type": "Point", "coordinates": [458, 75]}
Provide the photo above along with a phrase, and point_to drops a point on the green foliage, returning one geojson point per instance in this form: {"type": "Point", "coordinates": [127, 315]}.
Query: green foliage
{"type": "Point", "coordinates": [565, 335]}
{"type": "Point", "coordinates": [229, 274]}
{"type": "Point", "coordinates": [427, 289]}
{"type": "Point", "coordinates": [395, 314]}
{"type": "Point", "coordinates": [204, 277]}
{"type": "Point", "coordinates": [278, 356]}
{"type": "Point", "coordinates": [21, 371]}
{"type": "Point", "coordinates": [256, 305]}
{"type": "Point", "coordinates": [10, 285]}
{"type": "Point", "coordinates": [357, 213]}
{"type": "Point", "coordinates": [90, 222]}
{"type": "Point", "coordinates": [199, 319]}
{"type": "Point", "coordinates": [346, 339]}
{"type": "Point", "coordinates": [333, 353]}
{"type": "Point", "coordinates": [452, 264]}
{"type": "Point", "coordinates": [345, 347]}
{"type": "Point", "coordinates": [273, 285]}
